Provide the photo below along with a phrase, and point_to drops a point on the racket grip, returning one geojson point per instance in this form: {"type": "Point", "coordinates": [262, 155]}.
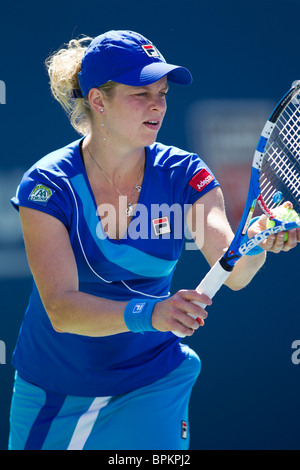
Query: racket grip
{"type": "Point", "coordinates": [210, 285]}
{"type": "Point", "coordinates": [213, 280]}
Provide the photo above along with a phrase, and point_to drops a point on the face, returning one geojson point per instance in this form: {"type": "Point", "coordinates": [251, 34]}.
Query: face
{"type": "Point", "coordinates": [133, 115]}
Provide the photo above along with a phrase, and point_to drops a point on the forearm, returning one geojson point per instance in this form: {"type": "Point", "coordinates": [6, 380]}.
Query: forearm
{"type": "Point", "coordinates": [245, 270]}
{"type": "Point", "coordinates": [218, 236]}
{"type": "Point", "coordinates": [87, 315]}
{"type": "Point", "coordinates": [84, 314]}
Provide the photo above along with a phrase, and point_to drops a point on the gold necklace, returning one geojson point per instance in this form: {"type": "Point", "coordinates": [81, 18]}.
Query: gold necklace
{"type": "Point", "coordinates": [137, 187]}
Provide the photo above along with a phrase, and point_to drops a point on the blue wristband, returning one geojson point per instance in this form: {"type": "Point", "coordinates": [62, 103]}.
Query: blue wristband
{"type": "Point", "coordinates": [257, 250]}
{"type": "Point", "coordinates": [138, 314]}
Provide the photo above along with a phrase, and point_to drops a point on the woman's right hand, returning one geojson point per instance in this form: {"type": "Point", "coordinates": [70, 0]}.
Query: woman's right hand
{"type": "Point", "coordinates": [172, 314]}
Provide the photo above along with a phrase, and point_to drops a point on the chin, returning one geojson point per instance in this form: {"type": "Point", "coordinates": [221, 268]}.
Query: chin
{"type": "Point", "coordinates": [150, 140]}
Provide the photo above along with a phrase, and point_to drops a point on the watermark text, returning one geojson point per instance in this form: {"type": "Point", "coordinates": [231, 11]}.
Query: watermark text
{"type": "Point", "coordinates": [160, 221]}
{"type": "Point", "coordinates": [2, 352]}
{"type": "Point", "coordinates": [296, 353]}
{"type": "Point", "coordinates": [2, 92]}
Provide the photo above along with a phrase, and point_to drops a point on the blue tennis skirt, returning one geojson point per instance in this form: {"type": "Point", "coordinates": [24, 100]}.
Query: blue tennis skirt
{"type": "Point", "coordinates": [154, 417]}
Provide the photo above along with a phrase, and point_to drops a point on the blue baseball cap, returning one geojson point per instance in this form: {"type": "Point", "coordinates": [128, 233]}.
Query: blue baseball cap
{"type": "Point", "coordinates": [126, 57]}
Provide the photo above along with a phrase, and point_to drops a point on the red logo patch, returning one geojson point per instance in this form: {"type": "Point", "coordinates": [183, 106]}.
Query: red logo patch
{"type": "Point", "coordinates": [201, 180]}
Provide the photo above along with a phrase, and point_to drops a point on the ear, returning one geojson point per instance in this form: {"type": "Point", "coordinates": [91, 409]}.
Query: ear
{"type": "Point", "coordinates": [96, 100]}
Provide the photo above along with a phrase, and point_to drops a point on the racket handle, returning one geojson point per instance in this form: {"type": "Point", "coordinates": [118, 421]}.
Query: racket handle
{"type": "Point", "coordinates": [210, 285]}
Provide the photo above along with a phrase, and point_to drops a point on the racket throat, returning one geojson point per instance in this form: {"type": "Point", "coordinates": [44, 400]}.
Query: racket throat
{"type": "Point", "coordinates": [225, 261]}
{"type": "Point", "coordinates": [264, 207]}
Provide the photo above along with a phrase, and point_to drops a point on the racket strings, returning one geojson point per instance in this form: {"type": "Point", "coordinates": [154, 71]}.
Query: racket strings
{"type": "Point", "coordinates": [281, 164]}
{"type": "Point", "coordinates": [288, 121]}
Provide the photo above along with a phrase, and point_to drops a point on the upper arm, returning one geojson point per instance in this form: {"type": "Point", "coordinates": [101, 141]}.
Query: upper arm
{"type": "Point", "coordinates": [50, 255]}
{"type": "Point", "coordinates": [216, 233]}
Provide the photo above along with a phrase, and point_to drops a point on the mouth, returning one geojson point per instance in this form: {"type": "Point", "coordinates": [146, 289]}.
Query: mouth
{"type": "Point", "coordinates": [152, 124]}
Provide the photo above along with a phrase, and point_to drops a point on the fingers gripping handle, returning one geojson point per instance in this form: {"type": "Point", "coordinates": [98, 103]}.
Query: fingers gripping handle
{"type": "Point", "coordinates": [210, 285]}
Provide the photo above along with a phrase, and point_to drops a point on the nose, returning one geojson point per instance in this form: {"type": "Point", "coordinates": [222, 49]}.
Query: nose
{"type": "Point", "coordinates": [158, 103]}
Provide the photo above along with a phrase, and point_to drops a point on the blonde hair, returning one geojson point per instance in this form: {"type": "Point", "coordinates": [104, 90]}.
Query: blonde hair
{"type": "Point", "coordinates": [63, 68]}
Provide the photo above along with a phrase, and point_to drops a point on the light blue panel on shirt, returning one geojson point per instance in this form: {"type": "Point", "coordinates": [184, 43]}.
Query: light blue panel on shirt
{"type": "Point", "coordinates": [125, 256]}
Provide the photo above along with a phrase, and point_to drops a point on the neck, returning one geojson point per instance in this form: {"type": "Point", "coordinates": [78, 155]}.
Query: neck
{"type": "Point", "coordinates": [115, 161]}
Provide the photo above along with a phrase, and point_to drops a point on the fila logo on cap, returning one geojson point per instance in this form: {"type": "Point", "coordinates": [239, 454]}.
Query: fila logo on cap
{"type": "Point", "coordinates": [150, 50]}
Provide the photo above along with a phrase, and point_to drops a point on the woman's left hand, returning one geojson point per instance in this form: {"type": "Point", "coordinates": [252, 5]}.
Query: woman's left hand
{"type": "Point", "coordinates": [275, 243]}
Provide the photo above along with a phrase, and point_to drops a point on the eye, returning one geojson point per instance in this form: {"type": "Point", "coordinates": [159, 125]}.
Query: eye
{"type": "Point", "coordinates": [163, 93]}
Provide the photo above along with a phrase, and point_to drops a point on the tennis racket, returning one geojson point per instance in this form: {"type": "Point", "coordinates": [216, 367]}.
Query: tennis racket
{"type": "Point", "coordinates": [275, 179]}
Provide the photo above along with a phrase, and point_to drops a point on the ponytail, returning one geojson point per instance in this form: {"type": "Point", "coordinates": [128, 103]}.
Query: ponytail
{"type": "Point", "coordinates": [63, 67]}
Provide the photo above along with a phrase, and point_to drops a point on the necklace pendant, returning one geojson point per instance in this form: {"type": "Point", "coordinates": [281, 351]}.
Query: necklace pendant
{"type": "Point", "coordinates": [129, 210]}
{"type": "Point", "coordinates": [138, 188]}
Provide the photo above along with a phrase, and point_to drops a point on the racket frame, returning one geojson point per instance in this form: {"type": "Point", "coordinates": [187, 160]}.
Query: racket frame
{"type": "Point", "coordinates": [240, 244]}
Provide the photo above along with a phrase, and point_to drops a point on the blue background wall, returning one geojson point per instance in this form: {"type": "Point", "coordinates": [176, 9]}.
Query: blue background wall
{"type": "Point", "coordinates": [247, 396]}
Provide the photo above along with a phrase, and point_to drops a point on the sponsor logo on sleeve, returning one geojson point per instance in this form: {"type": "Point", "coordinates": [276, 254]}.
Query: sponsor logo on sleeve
{"type": "Point", "coordinates": [201, 180]}
{"type": "Point", "coordinates": [41, 194]}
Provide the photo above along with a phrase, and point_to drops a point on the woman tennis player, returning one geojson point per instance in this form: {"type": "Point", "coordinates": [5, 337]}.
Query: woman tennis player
{"type": "Point", "coordinates": [97, 365]}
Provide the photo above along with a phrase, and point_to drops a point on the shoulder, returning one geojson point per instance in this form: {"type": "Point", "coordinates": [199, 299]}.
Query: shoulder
{"type": "Point", "coordinates": [180, 164]}
{"type": "Point", "coordinates": [44, 186]}
{"type": "Point", "coordinates": [183, 170]}
{"type": "Point", "coordinates": [61, 163]}
{"type": "Point", "coordinates": [168, 157]}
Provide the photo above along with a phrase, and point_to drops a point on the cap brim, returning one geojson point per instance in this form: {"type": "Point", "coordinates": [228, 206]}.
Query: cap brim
{"type": "Point", "coordinates": [153, 72]}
